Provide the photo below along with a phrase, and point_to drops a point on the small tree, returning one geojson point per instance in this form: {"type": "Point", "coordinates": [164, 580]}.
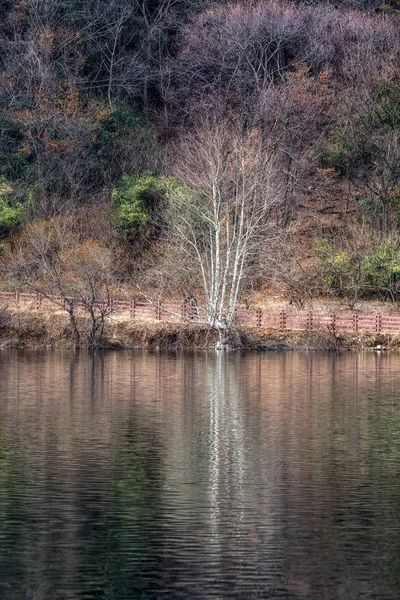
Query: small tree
{"type": "Point", "coordinates": [88, 272]}
{"type": "Point", "coordinates": [75, 274]}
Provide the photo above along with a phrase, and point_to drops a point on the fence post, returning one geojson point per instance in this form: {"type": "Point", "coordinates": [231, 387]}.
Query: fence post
{"type": "Point", "coordinates": [185, 311]}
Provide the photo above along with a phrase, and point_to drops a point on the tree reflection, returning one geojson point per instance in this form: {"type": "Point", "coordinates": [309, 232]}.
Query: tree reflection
{"type": "Point", "coordinates": [128, 475]}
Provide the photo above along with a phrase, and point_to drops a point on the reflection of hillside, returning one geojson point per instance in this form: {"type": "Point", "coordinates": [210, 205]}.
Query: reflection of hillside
{"type": "Point", "coordinates": [59, 410]}
{"type": "Point", "coordinates": [129, 472]}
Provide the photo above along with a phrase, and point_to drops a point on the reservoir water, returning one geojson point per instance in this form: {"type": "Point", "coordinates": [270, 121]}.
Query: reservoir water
{"type": "Point", "coordinates": [198, 475]}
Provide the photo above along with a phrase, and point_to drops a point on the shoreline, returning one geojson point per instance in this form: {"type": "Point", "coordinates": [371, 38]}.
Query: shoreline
{"type": "Point", "coordinates": [52, 330]}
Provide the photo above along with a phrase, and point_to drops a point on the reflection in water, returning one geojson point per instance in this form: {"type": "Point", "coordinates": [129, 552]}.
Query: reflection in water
{"type": "Point", "coordinates": [136, 475]}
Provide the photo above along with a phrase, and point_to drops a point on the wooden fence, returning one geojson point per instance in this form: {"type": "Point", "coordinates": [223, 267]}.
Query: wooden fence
{"type": "Point", "coordinates": [245, 317]}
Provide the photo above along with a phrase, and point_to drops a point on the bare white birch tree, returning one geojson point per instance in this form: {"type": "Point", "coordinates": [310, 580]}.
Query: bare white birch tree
{"type": "Point", "coordinates": [222, 218]}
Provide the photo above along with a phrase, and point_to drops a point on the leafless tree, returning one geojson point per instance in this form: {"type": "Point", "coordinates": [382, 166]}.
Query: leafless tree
{"type": "Point", "coordinates": [220, 218]}
{"type": "Point", "coordinates": [73, 273]}
{"type": "Point", "coordinates": [89, 272]}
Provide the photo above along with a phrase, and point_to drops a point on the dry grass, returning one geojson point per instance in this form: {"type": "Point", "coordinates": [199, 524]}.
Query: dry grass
{"type": "Point", "coordinates": [158, 335]}
{"type": "Point", "coordinates": [42, 329]}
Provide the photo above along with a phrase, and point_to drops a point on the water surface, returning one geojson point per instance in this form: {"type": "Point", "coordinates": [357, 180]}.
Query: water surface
{"type": "Point", "coordinates": [136, 475]}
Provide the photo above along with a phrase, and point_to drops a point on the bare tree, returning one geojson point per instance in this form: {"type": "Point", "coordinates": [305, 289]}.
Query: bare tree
{"type": "Point", "coordinates": [73, 273]}
{"type": "Point", "coordinates": [88, 270]}
{"type": "Point", "coordinates": [221, 218]}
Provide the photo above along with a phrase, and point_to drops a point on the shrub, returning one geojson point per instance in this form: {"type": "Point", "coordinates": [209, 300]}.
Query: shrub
{"type": "Point", "coordinates": [352, 143]}
{"type": "Point", "coordinates": [10, 214]}
{"type": "Point", "coordinates": [139, 202]}
{"type": "Point", "coordinates": [381, 269]}
{"type": "Point", "coordinates": [382, 209]}
{"type": "Point", "coordinates": [125, 137]}
{"type": "Point", "coordinates": [387, 8]}
{"type": "Point", "coordinates": [346, 149]}
{"type": "Point", "coordinates": [389, 106]}
{"type": "Point", "coordinates": [341, 273]}
{"type": "Point", "coordinates": [373, 272]}
{"type": "Point", "coordinates": [13, 162]}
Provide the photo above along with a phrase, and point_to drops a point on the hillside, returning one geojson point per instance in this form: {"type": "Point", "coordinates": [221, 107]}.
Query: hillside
{"type": "Point", "coordinates": [210, 148]}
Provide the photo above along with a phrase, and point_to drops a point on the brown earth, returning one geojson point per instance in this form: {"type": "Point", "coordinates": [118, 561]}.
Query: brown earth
{"type": "Point", "coordinates": [42, 329]}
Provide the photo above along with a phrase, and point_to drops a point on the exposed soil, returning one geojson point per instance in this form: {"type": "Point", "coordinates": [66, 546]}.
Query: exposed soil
{"type": "Point", "coordinates": [34, 329]}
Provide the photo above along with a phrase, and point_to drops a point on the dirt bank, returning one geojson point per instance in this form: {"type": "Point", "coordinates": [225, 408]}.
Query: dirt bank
{"type": "Point", "coordinates": [34, 329]}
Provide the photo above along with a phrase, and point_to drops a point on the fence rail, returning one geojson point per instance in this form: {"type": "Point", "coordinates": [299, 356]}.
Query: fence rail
{"type": "Point", "coordinates": [245, 317]}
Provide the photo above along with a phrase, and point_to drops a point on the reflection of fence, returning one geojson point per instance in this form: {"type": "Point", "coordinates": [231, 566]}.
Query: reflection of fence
{"type": "Point", "coordinates": [245, 317]}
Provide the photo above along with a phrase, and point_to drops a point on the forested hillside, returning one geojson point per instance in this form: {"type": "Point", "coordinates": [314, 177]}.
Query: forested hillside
{"type": "Point", "coordinates": [201, 146]}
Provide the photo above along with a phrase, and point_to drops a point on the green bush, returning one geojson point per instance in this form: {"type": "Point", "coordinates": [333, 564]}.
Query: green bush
{"type": "Point", "coordinates": [119, 122]}
{"type": "Point", "coordinates": [383, 209]}
{"type": "Point", "coordinates": [375, 272]}
{"type": "Point", "coordinates": [387, 8]}
{"type": "Point", "coordinates": [347, 148]}
{"type": "Point", "coordinates": [13, 163]}
{"type": "Point", "coordinates": [381, 268]}
{"type": "Point", "coordinates": [10, 213]}
{"type": "Point", "coordinates": [139, 201]}
{"type": "Point", "coordinates": [351, 144]}
{"type": "Point", "coordinates": [389, 106]}
{"type": "Point", "coordinates": [341, 274]}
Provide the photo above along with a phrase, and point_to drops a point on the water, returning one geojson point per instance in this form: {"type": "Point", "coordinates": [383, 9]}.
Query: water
{"type": "Point", "coordinates": [136, 475]}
